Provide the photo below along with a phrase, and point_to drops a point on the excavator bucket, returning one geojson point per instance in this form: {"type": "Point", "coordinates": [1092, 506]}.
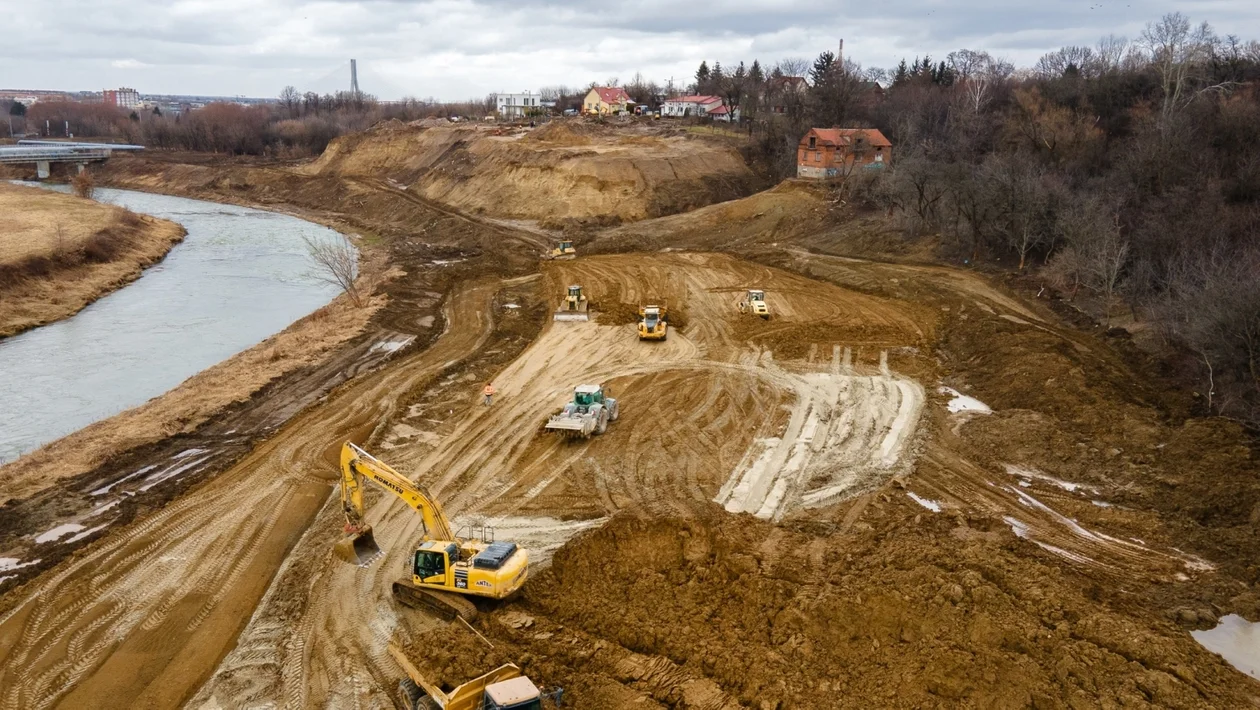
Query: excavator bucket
{"type": "Point", "coordinates": [358, 548]}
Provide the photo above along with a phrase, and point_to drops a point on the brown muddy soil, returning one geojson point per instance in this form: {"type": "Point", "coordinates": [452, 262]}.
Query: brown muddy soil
{"type": "Point", "coordinates": [891, 607]}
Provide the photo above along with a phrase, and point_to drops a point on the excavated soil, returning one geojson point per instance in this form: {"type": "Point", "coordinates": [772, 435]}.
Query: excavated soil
{"type": "Point", "coordinates": [803, 511]}
{"type": "Point", "coordinates": [567, 171]}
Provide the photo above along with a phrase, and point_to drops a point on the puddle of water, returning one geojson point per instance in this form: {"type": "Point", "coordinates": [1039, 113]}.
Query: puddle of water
{"type": "Point", "coordinates": [8, 564]}
{"type": "Point", "coordinates": [928, 503]}
{"type": "Point", "coordinates": [963, 403]}
{"type": "Point", "coordinates": [1236, 640]}
{"type": "Point", "coordinates": [58, 532]}
{"type": "Point", "coordinates": [240, 276]}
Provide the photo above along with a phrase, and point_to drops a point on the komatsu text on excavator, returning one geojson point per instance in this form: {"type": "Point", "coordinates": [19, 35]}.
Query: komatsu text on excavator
{"type": "Point", "coordinates": [444, 565]}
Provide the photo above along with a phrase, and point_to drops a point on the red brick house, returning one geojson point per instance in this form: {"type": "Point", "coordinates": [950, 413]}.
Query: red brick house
{"type": "Point", "coordinates": [836, 152]}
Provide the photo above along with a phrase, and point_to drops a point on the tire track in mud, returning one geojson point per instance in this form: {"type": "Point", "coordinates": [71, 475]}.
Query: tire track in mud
{"type": "Point", "coordinates": [692, 407]}
{"type": "Point", "coordinates": [179, 583]}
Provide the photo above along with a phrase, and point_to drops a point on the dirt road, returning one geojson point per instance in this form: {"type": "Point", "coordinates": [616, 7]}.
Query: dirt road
{"type": "Point", "coordinates": [140, 620]}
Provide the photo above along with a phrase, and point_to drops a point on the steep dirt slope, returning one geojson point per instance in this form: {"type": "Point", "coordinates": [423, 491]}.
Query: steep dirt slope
{"type": "Point", "coordinates": [562, 172]}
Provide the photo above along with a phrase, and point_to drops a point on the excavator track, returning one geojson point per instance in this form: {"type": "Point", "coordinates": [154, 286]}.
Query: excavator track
{"type": "Point", "coordinates": [444, 604]}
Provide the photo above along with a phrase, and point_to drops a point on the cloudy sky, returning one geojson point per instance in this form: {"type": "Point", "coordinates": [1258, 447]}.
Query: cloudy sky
{"type": "Point", "coordinates": [455, 49]}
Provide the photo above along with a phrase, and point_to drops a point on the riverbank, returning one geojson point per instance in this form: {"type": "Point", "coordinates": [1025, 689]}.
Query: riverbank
{"type": "Point", "coordinates": [59, 253]}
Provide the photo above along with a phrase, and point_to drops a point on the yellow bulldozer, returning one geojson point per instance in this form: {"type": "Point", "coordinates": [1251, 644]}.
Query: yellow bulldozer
{"type": "Point", "coordinates": [563, 250]}
{"type": "Point", "coordinates": [754, 302]}
{"type": "Point", "coordinates": [503, 688]}
{"type": "Point", "coordinates": [574, 307]}
{"type": "Point", "coordinates": [653, 322]}
{"type": "Point", "coordinates": [445, 567]}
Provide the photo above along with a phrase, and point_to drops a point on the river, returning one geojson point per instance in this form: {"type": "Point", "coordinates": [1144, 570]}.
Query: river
{"type": "Point", "coordinates": [240, 276]}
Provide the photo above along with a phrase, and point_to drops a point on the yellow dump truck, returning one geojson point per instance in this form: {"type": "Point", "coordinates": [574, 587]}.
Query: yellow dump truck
{"type": "Point", "coordinates": [652, 323]}
{"type": "Point", "coordinates": [503, 688]}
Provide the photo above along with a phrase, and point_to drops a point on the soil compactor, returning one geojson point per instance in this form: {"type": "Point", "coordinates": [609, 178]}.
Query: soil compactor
{"type": "Point", "coordinates": [445, 567]}
{"type": "Point", "coordinates": [574, 307]}
{"type": "Point", "coordinates": [588, 413]}
{"type": "Point", "coordinates": [754, 302]}
{"type": "Point", "coordinates": [653, 323]}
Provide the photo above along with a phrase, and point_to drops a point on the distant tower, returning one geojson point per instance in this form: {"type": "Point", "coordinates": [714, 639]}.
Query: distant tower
{"type": "Point", "coordinates": [354, 77]}
{"type": "Point", "coordinates": [840, 56]}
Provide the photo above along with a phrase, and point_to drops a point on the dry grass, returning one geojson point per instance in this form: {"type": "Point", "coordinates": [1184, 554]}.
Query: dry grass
{"type": "Point", "coordinates": [58, 253]}
{"type": "Point", "coordinates": [199, 398]}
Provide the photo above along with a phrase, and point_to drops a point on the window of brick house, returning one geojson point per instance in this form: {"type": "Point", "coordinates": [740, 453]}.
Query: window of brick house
{"type": "Point", "coordinates": [813, 142]}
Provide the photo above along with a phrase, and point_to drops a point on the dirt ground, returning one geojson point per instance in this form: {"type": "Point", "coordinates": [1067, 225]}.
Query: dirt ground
{"type": "Point", "coordinates": [565, 172]}
{"type": "Point", "coordinates": [799, 512]}
{"type": "Point", "coordinates": [58, 253]}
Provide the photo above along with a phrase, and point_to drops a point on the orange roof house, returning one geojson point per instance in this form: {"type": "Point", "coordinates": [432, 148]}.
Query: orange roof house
{"type": "Point", "coordinates": [836, 152]}
{"type": "Point", "coordinates": [606, 100]}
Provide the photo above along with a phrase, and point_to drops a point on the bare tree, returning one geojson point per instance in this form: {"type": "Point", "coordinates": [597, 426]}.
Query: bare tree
{"type": "Point", "coordinates": [793, 66]}
{"type": "Point", "coordinates": [336, 262]}
{"type": "Point", "coordinates": [83, 184]}
{"type": "Point", "coordinates": [1178, 52]}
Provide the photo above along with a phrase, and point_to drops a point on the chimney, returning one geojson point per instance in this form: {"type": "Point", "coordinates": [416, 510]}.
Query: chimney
{"type": "Point", "coordinates": [840, 56]}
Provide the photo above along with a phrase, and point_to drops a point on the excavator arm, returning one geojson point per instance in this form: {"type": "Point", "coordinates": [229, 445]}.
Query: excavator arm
{"type": "Point", "coordinates": [357, 465]}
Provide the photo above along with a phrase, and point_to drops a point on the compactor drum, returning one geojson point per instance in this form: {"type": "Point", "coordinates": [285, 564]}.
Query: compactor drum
{"type": "Point", "coordinates": [754, 302]}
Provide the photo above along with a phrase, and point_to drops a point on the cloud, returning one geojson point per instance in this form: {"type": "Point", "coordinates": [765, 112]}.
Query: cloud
{"type": "Point", "coordinates": [454, 49]}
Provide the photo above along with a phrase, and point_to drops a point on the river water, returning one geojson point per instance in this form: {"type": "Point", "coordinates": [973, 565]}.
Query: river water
{"type": "Point", "coordinates": [240, 276]}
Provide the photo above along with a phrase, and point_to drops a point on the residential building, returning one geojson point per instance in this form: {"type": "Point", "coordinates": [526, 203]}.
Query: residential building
{"type": "Point", "coordinates": [606, 100]}
{"type": "Point", "coordinates": [509, 106]}
{"type": "Point", "coordinates": [836, 152]}
{"type": "Point", "coordinates": [725, 114]}
{"type": "Point", "coordinates": [685, 106]}
{"type": "Point", "coordinates": [122, 98]}
{"type": "Point", "coordinates": [782, 90]}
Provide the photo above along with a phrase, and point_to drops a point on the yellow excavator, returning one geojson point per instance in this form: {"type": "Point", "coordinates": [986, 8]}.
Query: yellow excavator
{"type": "Point", "coordinates": [445, 566]}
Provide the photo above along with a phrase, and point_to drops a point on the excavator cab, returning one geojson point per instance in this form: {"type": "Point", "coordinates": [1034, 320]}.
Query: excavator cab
{"type": "Point", "coordinates": [432, 562]}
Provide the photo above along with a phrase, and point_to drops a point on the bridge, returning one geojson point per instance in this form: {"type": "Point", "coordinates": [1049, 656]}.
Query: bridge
{"type": "Point", "coordinates": [45, 153]}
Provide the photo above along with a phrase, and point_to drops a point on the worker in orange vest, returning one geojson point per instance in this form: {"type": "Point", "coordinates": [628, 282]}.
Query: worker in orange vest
{"type": "Point", "coordinates": [488, 391]}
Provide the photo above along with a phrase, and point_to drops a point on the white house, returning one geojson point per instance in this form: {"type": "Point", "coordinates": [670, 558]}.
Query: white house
{"type": "Point", "coordinates": [517, 105]}
{"type": "Point", "coordinates": [681, 106]}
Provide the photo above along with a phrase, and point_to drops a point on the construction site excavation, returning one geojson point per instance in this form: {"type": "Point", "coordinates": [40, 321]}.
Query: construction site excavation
{"type": "Point", "coordinates": [607, 419]}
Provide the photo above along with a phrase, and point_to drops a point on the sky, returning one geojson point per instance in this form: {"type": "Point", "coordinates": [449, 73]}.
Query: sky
{"type": "Point", "coordinates": [458, 49]}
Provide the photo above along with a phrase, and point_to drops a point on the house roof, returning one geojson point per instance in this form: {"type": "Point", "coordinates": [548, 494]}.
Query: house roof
{"type": "Point", "coordinates": [846, 136]}
{"type": "Point", "coordinates": [719, 110]}
{"type": "Point", "coordinates": [789, 80]}
{"type": "Point", "coordinates": [612, 94]}
{"type": "Point", "coordinates": [697, 99]}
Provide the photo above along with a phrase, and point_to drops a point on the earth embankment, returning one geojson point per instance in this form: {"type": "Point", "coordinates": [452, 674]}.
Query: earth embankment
{"type": "Point", "coordinates": [58, 253]}
{"type": "Point", "coordinates": [565, 172]}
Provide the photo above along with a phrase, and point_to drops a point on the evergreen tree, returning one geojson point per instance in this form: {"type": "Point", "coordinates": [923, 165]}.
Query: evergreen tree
{"type": "Point", "coordinates": [903, 73]}
{"type": "Point", "coordinates": [755, 75]}
{"type": "Point", "coordinates": [702, 77]}
{"type": "Point", "coordinates": [819, 73]}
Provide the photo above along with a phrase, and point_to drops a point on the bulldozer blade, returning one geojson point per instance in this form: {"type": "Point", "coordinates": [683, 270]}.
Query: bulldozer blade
{"type": "Point", "coordinates": [358, 549]}
{"type": "Point", "coordinates": [571, 316]}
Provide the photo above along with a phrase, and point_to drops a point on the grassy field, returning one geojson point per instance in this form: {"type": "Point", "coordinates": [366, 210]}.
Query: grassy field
{"type": "Point", "coordinates": [58, 253]}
